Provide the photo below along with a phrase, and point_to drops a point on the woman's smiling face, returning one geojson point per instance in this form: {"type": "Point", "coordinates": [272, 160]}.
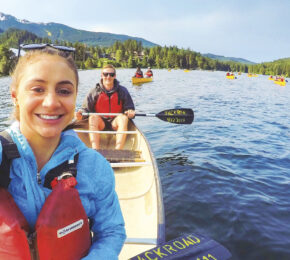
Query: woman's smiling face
{"type": "Point", "coordinates": [46, 97]}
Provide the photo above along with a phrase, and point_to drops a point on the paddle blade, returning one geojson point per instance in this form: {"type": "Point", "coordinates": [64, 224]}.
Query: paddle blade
{"type": "Point", "coordinates": [177, 116]}
{"type": "Point", "coordinates": [187, 247]}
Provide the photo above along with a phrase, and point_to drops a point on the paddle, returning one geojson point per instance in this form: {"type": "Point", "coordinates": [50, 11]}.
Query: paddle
{"type": "Point", "coordinates": [175, 116]}
{"type": "Point", "coordinates": [187, 247]}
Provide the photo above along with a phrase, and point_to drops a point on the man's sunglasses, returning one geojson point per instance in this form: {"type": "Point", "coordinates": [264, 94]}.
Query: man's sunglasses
{"type": "Point", "coordinates": [39, 46]}
{"type": "Point", "coordinates": [106, 74]}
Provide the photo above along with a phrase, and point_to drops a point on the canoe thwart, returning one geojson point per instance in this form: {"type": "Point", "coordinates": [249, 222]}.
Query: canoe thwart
{"type": "Point", "coordinates": [130, 164]}
{"type": "Point", "coordinates": [138, 240]}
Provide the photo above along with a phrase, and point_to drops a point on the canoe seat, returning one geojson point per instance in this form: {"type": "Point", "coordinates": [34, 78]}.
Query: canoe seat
{"type": "Point", "coordinates": [115, 156]}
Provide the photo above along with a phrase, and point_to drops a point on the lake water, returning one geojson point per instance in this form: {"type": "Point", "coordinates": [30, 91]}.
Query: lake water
{"type": "Point", "coordinates": [226, 176]}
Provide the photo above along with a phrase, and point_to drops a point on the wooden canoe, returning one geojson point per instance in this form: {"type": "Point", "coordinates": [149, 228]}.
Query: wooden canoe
{"type": "Point", "coordinates": [138, 188]}
{"type": "Point", "coordinates": [141, 80]}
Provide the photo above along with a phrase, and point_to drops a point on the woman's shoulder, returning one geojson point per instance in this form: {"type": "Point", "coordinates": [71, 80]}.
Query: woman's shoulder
{"type": "Point", "coordinates": [94, 169]}
{"type": "Point", "coordinates": [93, 159]}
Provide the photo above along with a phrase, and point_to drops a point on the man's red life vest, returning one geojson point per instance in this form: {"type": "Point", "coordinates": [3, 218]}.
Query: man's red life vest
{"type": "Point", "coordinates": [138, 75]}
{"type": "Point", "coordinates": [149, 74]}
{"type": "Point", "coordinates": [109, 103]}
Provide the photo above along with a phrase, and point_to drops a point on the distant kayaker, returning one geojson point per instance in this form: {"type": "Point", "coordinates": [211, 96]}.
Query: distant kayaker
{"type": "Point", "coordinates": [44, 91]}
{"type": "Point", "coordinates": [149, 73]}
{"type": "Point", "coordinates": [108, 96]}
{"type": "Point", "coordinates": [138, 73]}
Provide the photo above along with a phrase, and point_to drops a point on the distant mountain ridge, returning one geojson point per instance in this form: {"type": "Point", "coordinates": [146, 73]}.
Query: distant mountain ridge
{"type": "Point", "coordinates": [223, 58]}
{"type": "Point", "coordinates": [61, 32]}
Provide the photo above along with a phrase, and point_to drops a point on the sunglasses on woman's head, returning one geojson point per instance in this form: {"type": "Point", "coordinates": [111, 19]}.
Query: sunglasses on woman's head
{"type": "Point", "coordinates": [106, 74]}
{"type": "Point", "coordinates": [39, 46]}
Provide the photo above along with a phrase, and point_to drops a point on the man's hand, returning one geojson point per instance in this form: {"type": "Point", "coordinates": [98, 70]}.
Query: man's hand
{"type": "Point", "coordinates": [130, 113]}
{"type": "Point", "coordinates": [78, 115]}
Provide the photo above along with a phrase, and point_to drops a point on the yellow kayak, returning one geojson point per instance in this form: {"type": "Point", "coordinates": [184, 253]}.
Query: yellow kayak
{"type": "Point", "coordinates": [186, 70]}
{"type": "Point", "coordinates": [231, 77]}
{"type": "Point", "coordinates": [280, 83]}
{"type": "Point", "coordinates": [252, 75]}
{"type": "Point", "coordinates": [141, 80]}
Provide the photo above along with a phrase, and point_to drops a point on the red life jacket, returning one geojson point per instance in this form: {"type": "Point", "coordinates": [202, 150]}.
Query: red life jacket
{"type": "Point", "coordinates": [149, 74]}
{"type": "Point", "coordinates": [14, 230]}
{"type": "Point", "coordinates": [62, 228]}
{"type": "Point", "coordinates": [109, 104]}
{"type": "Point", "coordinates": [138, 75]}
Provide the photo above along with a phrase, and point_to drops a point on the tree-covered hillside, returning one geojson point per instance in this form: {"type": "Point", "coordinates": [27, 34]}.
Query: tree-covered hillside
{"type": "Point", "coordinates": [61, 32]}
{"type": "Point", "coordinates": [131, 53]}
{"type": "Point", "coordinates": [223, 58]}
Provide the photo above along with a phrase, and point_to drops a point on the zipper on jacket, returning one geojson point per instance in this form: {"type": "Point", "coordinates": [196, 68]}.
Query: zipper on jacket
{"type": "Point", "coordinates": [110, 102]}
{"type": "Point", "coordinates": [38, 178]}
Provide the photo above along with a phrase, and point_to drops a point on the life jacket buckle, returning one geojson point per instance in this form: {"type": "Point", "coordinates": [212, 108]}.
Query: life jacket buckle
{"type": "Point", "coordinates": [64, 176]}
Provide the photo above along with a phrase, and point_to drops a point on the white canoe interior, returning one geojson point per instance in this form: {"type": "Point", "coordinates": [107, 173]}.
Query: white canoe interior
{"type": "Point", "coordinates": [138, 188]}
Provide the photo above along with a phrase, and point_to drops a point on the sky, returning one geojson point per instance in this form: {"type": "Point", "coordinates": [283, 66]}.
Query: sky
{"type": "Point", "coordinates": [256, 30]}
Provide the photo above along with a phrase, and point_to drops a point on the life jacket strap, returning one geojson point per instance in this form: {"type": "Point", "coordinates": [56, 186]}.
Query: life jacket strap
{"type": "Point", "coordinates": [9, 152]}
{"type": "Point", "coordinates": [68, 168]}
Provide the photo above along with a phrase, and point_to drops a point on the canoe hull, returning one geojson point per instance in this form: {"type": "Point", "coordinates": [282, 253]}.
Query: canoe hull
{"type": "Point", "coordinates": [280, 83]}
{"type": "Point", "coordinates": [141, 80]}
{"type": "Point", "coordinates": [140, 194]}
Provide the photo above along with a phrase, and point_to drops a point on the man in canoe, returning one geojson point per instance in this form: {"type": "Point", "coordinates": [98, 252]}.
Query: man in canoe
{"type": "Point", "coordinates": [138, 73]}
{"type": "Point", "coordinates": [108, 96]}
{"type": "Point", "coordinates": [149, 73]}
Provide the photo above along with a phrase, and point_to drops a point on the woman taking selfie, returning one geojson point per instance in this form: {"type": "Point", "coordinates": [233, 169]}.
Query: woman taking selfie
{"type": "Point", "coordinates": [52, 161]}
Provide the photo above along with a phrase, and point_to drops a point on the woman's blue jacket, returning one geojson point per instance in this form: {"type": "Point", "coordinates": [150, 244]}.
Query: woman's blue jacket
{"type": "Point", "coordinates": [95, 184]}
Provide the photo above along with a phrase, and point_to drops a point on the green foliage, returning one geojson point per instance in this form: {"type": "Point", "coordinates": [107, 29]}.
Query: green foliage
{"type": "Point", "coordinates": [130, 53]}
{"type": "Point", "coordinates": [13, 37]}
{"type": "Point", "coordinates": [7, 60]}
{"type": "Point", "coordinates": [278, 67]}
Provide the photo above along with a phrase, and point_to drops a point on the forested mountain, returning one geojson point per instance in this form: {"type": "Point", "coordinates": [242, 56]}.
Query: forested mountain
{"type": "Point", "coordinates": [13, 37]}
{"type": "Point", "coordinates": [60, 32]}
{"type": "Point", "coordinates": [223, 58]}
{"type": "Point", "coordinates": [276, 67]}
{"type": "Point", "coordinates": [131, 53]}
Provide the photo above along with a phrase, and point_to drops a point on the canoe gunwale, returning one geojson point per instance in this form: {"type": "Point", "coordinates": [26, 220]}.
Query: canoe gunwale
{"type": "Point", "coordinates": [161, 220]}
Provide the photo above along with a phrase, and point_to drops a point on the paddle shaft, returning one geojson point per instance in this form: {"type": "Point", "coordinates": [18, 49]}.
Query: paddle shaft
{"type": "Point", "coordinates": [137, 114]}
{"type": "Point", "coordinates": [113, 114]}
{"type": "Point", "coordinates": [176, 116]}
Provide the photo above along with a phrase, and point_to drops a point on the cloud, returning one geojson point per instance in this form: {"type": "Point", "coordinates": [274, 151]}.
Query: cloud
{"type": "Point", "coordinates": [229, 28]}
